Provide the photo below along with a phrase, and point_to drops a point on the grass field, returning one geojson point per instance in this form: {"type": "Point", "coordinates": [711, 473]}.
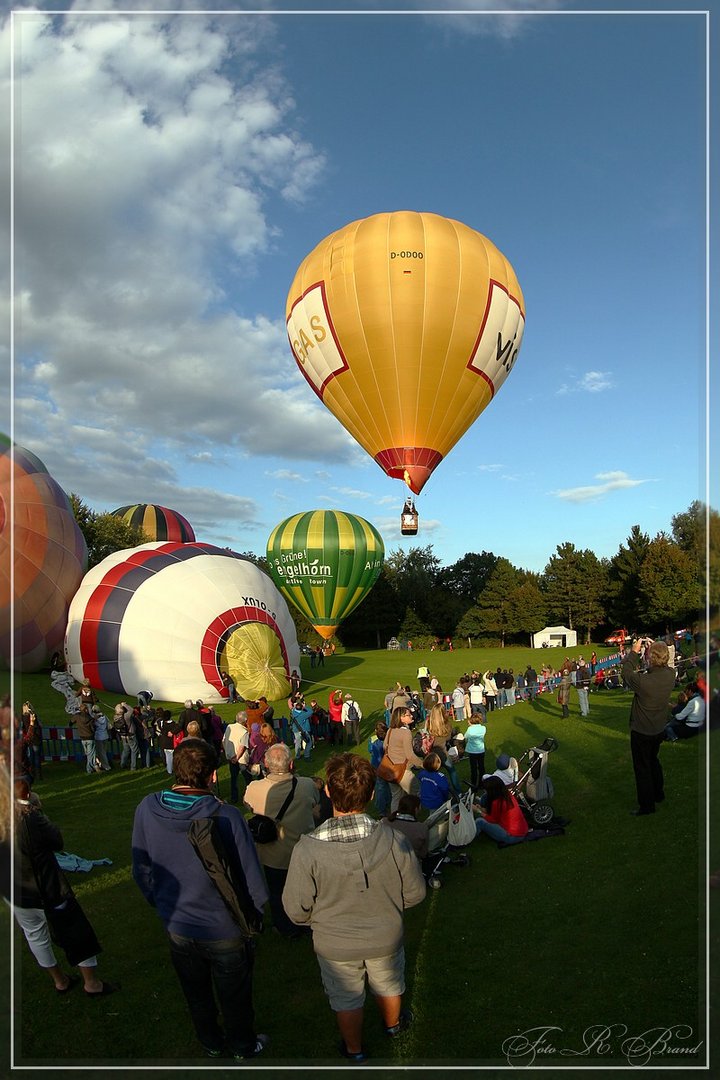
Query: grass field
{"type": "Point", "coordinates": [552, 954]}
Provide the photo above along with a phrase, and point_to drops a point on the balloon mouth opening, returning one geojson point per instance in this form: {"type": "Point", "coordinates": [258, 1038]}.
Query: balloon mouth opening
{"type": "Point", "coordinates": [413, 464]}
{"type": "Point", "coordinates": [326, 632]}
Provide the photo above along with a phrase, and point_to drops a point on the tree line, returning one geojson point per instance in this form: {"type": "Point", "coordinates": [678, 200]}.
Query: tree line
{"type": "Point", "coordinates": [656, 585]}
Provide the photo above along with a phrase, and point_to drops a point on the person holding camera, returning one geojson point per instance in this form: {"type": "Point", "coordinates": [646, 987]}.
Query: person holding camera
{"type": "Point", "coordinates": [648, 718]}
{"type": "Point", "coordinates": [300, 715]}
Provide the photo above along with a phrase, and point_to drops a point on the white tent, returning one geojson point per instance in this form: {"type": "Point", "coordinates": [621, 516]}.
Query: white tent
{"type": "Point", "coordinates": [551, 636]}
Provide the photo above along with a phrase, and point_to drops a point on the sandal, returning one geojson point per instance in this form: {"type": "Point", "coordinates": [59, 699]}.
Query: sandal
{"type": "Point", "coordinates": [73, 980]}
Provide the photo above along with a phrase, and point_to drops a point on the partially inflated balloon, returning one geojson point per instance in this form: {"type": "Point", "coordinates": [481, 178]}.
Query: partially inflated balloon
{"type": "Point", "coordinates": [406, 325]}
{"type": "Point", "coordinates": [173, 617]}
{"type": "Point", "coordinates": [157, 522]}
{"type": "Point", "coordinates": [49, 558]}
{"type": "Point", "coordinates": [325, 562]}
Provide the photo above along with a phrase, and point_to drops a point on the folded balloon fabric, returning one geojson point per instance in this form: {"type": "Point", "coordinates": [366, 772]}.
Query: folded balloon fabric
{"type": "Point", "coordinates": [66, 861]}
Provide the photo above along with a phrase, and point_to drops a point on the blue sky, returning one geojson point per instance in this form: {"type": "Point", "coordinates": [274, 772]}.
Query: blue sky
{"type": "Point", "coordinates": [172, 173]}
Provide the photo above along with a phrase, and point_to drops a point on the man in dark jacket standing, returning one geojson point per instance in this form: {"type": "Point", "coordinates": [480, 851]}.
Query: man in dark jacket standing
{"type": "Point", "coordinates": [648, 717]}
{"type": "Point", "coordinates": [208, 948]}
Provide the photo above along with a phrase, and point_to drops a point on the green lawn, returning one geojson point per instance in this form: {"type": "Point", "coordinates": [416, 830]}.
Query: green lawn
{"type": "Point", "coordinates": [596, 936]}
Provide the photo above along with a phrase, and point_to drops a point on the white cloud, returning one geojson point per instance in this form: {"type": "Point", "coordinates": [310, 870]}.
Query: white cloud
{"type": "Point", "coordinates": [286, 474]}
{"type": "Point", "coordinates": [592, 382]}
{"type": "Point", "coordinates": [150, 148]}
{"type": "Point", "coordinates": [610, 481]}
{"type": "Point", "coordinates": [505, 19]}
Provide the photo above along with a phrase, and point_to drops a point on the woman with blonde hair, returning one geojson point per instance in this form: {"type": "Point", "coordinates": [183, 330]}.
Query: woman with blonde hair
{"type": "Point", "coordinates": [440, 726]}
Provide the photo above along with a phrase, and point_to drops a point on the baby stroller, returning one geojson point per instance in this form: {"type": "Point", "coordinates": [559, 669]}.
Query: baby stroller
{"type": "Point", "coordinates": [450, 828]}
{"type": "Point", "coordinates": [533, 788]}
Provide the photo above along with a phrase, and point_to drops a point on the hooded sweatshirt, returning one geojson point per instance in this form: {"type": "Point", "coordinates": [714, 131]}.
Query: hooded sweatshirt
{"type": "Point", "coordinates": [353, 892]}
{"type": "Point", "coordinates": [170, 875]}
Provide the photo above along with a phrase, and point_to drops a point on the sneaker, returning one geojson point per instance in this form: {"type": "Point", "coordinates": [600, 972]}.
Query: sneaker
{"type": "Point", "coordinates": [359, 1057]}
{"type": "Point", "coordinates": [406, 1019]}
{"type": "Point", "coordinates": [261, 1041]}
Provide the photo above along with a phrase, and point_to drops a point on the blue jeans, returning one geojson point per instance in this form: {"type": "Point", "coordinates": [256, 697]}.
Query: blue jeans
{"type": "Point", "coordinates": [88, 746]}
{"type": "Point", "coordinates": [495, 832]}
{"type": "Point", "coordinates": [303, 742]}
{"type": "Point", "coordinates": [453, 777]}
{"type": "Point", "coordinates": [225, 966]}
{"type": "Point", "coordinates": [382, 796]}
{"type": "Point", "coordinates": [583, 699]}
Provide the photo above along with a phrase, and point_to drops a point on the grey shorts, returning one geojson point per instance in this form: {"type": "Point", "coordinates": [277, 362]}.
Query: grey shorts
{"type": "Point", "coordinates": [344, 980]}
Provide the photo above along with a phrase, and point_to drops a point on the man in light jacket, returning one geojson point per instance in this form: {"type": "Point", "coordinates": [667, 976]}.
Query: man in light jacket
{"type": "Point", "coordinates": [350, 881]}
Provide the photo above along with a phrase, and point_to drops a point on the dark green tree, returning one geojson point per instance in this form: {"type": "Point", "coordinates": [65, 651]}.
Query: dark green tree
{"type": "Point", "coordinates": [624, 579]}
{"type": "Point", "coordinates": [377, 618]}
{"type": "Point", "coordinates": [413, 577]}
{"type": "Point", "coordinates": [670, 587]}
{"type": "Point", "coordinates": [562, 580]}
{"type": "Point", "coordinates": [528, 608]}
{"type": "Point", "coordinates": [104, 533]}
{"type": "Point", "coordinates": [495, 611]}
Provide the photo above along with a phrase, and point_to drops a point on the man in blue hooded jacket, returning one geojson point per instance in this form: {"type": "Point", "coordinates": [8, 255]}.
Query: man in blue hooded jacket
{"type": "Point", "coordinates": [208, 948]}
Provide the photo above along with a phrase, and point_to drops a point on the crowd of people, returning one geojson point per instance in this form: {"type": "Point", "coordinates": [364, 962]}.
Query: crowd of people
{"type": "Point", "coordinates": [304, 846]}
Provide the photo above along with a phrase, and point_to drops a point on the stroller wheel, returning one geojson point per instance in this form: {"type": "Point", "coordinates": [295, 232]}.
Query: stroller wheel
{"type": "Point", "coordinates": [435, 882]}
{"type": "Point", "coordinates": [542, 813]}
{"type": "Point", "coordinates": [462, 860]}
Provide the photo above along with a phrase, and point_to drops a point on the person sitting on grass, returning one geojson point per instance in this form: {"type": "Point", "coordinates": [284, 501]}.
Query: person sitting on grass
{"type": "Point", "coordinates": [434, 785]}
{"type": "Point", "coordinates": [405, 820]}
{"type": "Point", "coordinates": [501, 817]}
{"type": "Point", "coordinates": [350, 881]}
{"type": "Point", "coordinates": [689, 720]}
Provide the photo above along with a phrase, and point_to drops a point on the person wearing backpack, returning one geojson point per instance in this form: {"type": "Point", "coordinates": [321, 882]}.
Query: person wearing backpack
{"type": "Point", "coordinates": [351, 717]}
{"type": "Point", "coordinates": [211, 951]}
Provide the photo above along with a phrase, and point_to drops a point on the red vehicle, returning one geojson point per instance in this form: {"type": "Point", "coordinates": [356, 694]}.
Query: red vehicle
{"type": "Point", "coordinates": [618, 637]}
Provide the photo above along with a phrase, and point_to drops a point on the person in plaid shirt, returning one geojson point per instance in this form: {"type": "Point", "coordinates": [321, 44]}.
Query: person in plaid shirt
{"type": "Point", "coordinates": [350, 881]}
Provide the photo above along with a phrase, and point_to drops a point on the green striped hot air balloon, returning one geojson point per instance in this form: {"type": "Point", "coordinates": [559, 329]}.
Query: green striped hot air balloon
{"type": "Point", "coordinates": [325, 562]}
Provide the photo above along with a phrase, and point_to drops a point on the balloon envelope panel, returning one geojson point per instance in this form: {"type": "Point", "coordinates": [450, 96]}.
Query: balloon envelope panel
{"type": "Point", "coordinates": [43, 557]}
{"type": "Point", "coordinates": [325, 562]}
{"type": "Point", "coordinates": [405, 325]}
{"type": "Point", "coordinates": [172, 616]}
{"type": "Point", "coordinates": [157, 522]}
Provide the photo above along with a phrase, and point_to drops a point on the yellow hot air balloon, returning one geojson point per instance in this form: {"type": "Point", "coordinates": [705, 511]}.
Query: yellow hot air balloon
{"type": "Point", "coordinates": [406, 325]}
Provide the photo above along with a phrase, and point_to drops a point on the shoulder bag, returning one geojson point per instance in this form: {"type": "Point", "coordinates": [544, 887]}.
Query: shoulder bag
{"type": "Point", "coordinates": [207, 842]}
{"type": "Point", "coordinates": [264, 829]}
{"type": "Point", "coordinates": [389, 770]}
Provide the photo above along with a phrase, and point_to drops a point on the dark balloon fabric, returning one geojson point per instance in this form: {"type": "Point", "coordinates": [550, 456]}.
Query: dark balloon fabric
{"type": "Point", "coordinates": [43, 558]}
{"type": "Point", "coordinates": [157, 522]}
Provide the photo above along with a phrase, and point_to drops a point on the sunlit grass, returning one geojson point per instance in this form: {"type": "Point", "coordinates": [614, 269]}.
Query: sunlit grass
{"type": "Point", "coordinates": [604, 925]}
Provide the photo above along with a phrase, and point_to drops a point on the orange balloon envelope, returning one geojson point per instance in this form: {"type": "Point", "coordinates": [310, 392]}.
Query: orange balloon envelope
{"type": "Point", "coordinates": [406, 325]}
{"type": "Point", "coordinates": [49, 559]}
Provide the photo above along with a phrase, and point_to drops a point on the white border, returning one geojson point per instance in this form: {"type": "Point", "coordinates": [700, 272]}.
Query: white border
{"type": "Point", "coordinates": [269, 12]}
